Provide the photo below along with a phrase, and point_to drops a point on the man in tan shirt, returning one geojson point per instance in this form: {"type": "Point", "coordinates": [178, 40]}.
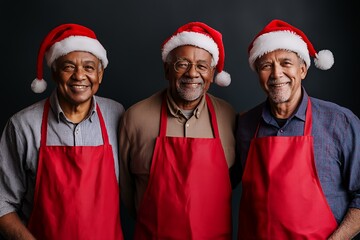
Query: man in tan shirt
{"type": "Point", "coordinates": [176, 147]}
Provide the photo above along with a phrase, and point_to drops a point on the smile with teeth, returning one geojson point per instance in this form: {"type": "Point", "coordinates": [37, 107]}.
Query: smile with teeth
{"type": "Point", "coordinates": [79, 86]}
{"type": "Point", "coordinates": [192, 85]}
{"type": "Point", "coordinates": [279, 85]}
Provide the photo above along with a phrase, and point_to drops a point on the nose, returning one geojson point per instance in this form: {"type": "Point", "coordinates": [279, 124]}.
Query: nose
{"type": "Point", "coordinates": [192, 72]}
{"type": "Point", "coordinates": [79, 73]}
{"type": "Point", "coordinates": [277, 71]}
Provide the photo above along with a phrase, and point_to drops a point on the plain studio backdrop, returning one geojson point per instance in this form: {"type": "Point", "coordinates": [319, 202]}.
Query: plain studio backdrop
{"type": "Point", "coordinates": [132, 33]}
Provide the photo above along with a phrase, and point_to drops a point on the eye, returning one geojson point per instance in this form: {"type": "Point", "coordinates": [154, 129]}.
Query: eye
{"type": "Point", "coordinates": [263, 67]}
{"type": "Point", "coordinates": [287, 63]}
{"type": "Point", "coordinates": [202, 66]}
{"type": "Point", "coordinates": [68, 68]}
{"type": "Point", "coordinates": [182, 64]}
{"type": "Point", "coordinates": [89, 68]}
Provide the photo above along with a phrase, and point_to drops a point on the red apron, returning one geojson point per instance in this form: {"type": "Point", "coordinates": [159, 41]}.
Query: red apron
{"type": "Point", "coordinates": [281, 196]}
{"type": "Point", "coordinates": [189, 192]}
{"type": "Point", "coordinates": [76, 192]}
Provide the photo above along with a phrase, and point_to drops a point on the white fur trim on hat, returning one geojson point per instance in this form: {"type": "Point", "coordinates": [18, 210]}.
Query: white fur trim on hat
{"type": "Point", "coordinates": [191, 38]}
{"type": "Point", "coordinates": [76, 43]}
{"type": "Point", "coordinates": [271, 41]}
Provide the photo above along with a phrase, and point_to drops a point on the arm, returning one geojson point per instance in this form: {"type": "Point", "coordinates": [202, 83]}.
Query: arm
{"type": "Point", "coordinates": [349, 227]}
{"type": "Point", "coordinates": [12, 183]}
{"type": "Point", "coordinates": [11, 227]}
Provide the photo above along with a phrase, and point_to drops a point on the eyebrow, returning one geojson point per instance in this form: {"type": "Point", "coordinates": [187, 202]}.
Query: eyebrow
{"type": "Point", "coordinates": [182, 58]}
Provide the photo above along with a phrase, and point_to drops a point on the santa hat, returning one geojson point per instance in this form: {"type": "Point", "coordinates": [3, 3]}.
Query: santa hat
{"type": "Point", "coordinates": [281, 35]}
{"type": "Point", "coordinates": [200, 35]}
{"type": "Point", "coordinates": [62, 40]}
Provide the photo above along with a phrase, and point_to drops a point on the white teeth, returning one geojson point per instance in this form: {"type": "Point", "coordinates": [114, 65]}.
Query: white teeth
{"type": "Point", "coordinates": [191, 84]}
{"type": "Point", "coordinates": [79, 86]}
{"type": "Point", "coordinates": [279, 85]}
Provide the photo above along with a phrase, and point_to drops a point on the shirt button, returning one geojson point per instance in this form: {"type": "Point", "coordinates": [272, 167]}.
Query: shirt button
{"type": "Point", "coordinates": [281, 130]}
{"type": "Point", "coordinates": [187, 125]}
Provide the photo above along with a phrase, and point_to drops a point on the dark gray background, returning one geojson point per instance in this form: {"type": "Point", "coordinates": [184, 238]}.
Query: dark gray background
{"type": "Point", "coordinates": [132, 32]}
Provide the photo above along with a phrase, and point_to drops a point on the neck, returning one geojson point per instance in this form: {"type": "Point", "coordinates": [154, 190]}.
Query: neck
{"type": "Point", "coordinates": [75, 113]}
{"type": "Point", "coordinates": [186, 105]}
{"type": "Point", "coordinates": [285, 109]}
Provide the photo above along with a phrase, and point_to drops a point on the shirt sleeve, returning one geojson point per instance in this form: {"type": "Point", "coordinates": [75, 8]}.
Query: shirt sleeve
{"type": "Point", "coordinates": [12, 172]}
{"type": "Point", "coordinates": [351, 151]}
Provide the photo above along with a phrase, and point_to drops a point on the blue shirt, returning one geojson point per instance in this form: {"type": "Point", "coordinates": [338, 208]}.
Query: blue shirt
{"type": "Point", "coordinates": [336, 134]}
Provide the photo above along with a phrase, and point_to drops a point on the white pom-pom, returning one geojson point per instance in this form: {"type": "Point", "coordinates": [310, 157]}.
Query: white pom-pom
{"type": "Point", "coordinates": [38, 86]}
{"type": "Point", "coordinates": [223, 79]}
{"type": "Point", "coordinates": [324, 60]}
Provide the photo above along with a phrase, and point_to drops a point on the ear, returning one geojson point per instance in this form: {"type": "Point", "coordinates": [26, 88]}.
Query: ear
{"type": "Point", "coordinates": [303, 70]}
{"type": "Point", "coordinates": [101, 74]}
{"type": "Point", "coordinates": [213, 73]}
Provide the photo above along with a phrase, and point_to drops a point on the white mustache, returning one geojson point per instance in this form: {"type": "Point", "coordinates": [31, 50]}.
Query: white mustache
{"type": "Point", "coordinates": [191, 80]}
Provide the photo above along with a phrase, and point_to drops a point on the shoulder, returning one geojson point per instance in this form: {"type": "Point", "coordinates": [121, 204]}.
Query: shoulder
{"type": "Point", "coordinates": [110, 107]}
{"type": "Point", "coordinates": [109, 103]}
{"type": "Point", "coordinates": [247, 121]}
{"type": "Point", "coordinates": [334, 119]}
{"type": "Point", "coordinates": [330, 110]}
{"type": "Point", "coordinates": [31, 114]}
{"type": "Point", "coordinates": [111, 110]}
{"type": "Point", "coordinates": [144, 114]}
{"type": "Point", "coordinates": [253, 113]}
{"type": "Point", "coordinates": [26, 122]}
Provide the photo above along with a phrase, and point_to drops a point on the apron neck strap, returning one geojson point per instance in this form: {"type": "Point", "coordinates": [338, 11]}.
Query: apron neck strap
{"type": "Point", "coordinates": [213, 117]}
{"type": "Point", "coordinates": [308, 119]}
{"type": "Point", "coordinates": [102, 125]}
{"type": "Point", "coordinates": [44, 123]}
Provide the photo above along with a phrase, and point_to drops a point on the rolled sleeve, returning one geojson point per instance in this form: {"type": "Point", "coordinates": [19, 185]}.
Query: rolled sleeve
{"type": "Point", "coordinates": [12, 173]}
{"type": "Point", "coordinates": [352, 159]}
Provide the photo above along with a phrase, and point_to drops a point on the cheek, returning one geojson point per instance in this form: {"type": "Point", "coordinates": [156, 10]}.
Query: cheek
{"type": "Point", "coordinates": [209, 78]}
{"type": "Point", "coordinates": [174, 78]}
{"type": "Point", "coordinates": [94, 79]}
{"type": "Point", "coordinates": [262, 81]}
{"type": "Point", "coordinates": [62, 77]}
{"type": "Point", "coordinates": [208, 83]}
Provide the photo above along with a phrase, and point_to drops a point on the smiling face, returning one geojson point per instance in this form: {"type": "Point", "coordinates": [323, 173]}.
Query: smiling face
{"type": "Point", "coordinates": [188, 86]}
{"type": "Point", "coordinates": [280, 74]}
{"type": "Point", "coordinates": [78, 76]}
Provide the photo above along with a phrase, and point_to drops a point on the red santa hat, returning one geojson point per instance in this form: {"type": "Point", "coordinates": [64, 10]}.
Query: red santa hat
{"type": "Point", "coordinates": [281, 35]}
{"type": "Point", "coordinates": [200, 35]}
{"type": "Point", "coordinates": [62, 40]}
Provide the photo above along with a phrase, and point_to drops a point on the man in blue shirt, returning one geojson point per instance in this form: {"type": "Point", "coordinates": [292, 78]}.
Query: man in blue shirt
{"type": "Point", "coordinates": [299, 156]}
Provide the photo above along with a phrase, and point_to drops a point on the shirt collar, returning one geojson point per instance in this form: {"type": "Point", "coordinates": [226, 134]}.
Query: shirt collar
{"type": "Point", "coordinates": [59, 113]}
{"type": "Point", "coordinates": [176, 111]}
